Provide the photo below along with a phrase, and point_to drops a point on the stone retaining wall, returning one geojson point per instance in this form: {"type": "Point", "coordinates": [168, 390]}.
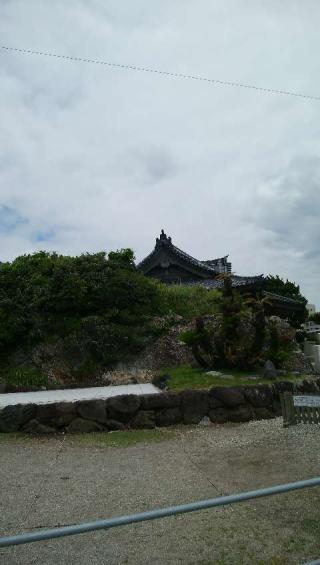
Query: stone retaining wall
{"type": "Point", "coordinates": [220, 404]}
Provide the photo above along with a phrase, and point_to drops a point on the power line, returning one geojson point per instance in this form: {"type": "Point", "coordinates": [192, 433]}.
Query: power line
{"type": "Point", "coordinates": [160, 72]}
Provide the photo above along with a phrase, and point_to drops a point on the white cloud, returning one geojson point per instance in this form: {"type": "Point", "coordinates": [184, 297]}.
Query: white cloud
{"type": "Point", "coordinates": [95, 157]}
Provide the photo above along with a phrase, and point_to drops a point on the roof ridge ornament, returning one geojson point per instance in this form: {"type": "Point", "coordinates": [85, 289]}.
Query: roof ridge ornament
{"type": "Point", "coordinates": [163, 239]}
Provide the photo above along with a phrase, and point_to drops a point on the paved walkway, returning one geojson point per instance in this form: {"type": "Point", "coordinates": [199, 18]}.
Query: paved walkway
{"type": "Point", "coordinates": [73, 394]}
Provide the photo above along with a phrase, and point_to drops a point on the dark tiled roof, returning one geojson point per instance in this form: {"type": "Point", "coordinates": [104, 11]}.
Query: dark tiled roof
{"type": "Point", "coordinates": [165, 242]}
{"type": "Point", "coordinates": [211, 266]}
{"type": "Point", "coordinates": [221, 264]}
{"type": "Point", "coordinates": [237, 281]}
{"type": "Point", "coordinates": [280, 298]}
{"type": "Point", "coordinates": [183, 255]}
{"type": "Point", "coordinates": [146, 260]}
{"type": "Point", "coordinates": [218, 259]}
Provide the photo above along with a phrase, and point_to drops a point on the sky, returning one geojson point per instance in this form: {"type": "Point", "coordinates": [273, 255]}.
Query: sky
{"type": "Point", "coordinates": [99, 158]}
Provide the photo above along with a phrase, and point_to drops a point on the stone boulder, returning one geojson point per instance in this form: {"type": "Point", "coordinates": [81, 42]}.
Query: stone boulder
{"type": "Point", "coordinates": [242, 413]}
{"type": "Point", "coordinates": [269, 370]}
{"type": "Point", "coordinates": [115, 425]}
{"type": "Point", "coordinates": [46, 413]}
{"type": "Point", "coordinates": [79, 426]}
{"type": "Point", "coordinates": [260, 395]}
{"type": "Point", "coordinates": [205, 421]}
{"type": "Point", "coordinates": [12, 418]}
{"type": "Point", "coordinates": [123, 408]}
{"type": "Point", "coordinates": [228, 396]}
{"type": "Point", "coordinates": [283, 386]}
{"type": "Point", "coordinates": [195, 405]}
{"type": "Point", "coordinates": [162, 400]}
{"type": "Point", "coordinates": [145, 419]}
{"type": "Point", "coordinates": [36, 428]}
{"type": "Point", "coordinates": [308, 387]}
{"type": "Point", "coordinates": [93, 410]}
{"type": "Point", "coordinates": [65, 412]}
{"type": "Point", "coordinates": [214, 402]}
{"type": "Point", "coordinates": [263, 413]}
{"type": "Point", "coordinates": [168, 417]}
{"type": "Point", "coordinates": [218, 415]}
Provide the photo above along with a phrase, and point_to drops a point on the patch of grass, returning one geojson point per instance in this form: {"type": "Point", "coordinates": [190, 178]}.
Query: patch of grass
{"type": "Point", "coordinates": [189, 301]}
{"type": "Point", "coordinates": [14, 436]}
{"type": "Point", "coordinates": [123, 438]}
{"type": "Point", "coordinates": [102, 439]}
{"type": "Point", "coordinates": [311, 526]}
{"type": "Point", "coordinates": [24, 377]}
{"type": "Point", "coordinates": [274, 561]}
{"type": "Point", "coordinates": [188, 377]}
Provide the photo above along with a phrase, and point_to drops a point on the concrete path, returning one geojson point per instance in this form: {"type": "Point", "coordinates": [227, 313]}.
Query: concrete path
{"type": "Point", "coordinates": [70, 395]}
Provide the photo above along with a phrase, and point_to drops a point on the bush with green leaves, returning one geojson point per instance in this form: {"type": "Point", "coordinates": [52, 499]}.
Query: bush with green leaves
{"type": "Point", "coordinates": [286, 288]}
{"type": "Point", "coordinates": [24, 377]}
{"type": "Point", "coordinates": [98, 300]}
{"type": "Point", "coordinates": [289, 289]}
{"type": "Point", "coordinates": [240, 336]}
{"type": "Point", "coordinates": [189, 301]}
{"type": "Point", "coordinates": [315, 317]}
{"type": "Point", "coordinates": [103, 309]}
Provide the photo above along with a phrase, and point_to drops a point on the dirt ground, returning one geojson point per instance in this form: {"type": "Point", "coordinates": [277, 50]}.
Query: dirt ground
{"type": "Point", "coordinates": [54, 481]}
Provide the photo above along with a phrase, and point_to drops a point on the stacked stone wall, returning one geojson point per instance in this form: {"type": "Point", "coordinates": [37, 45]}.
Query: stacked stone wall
{"type": "Point", "coordinates": [219, 404]}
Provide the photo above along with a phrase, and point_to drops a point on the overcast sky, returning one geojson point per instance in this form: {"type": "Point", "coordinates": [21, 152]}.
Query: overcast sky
{"type": "Point", "coordinates": [94, 158]}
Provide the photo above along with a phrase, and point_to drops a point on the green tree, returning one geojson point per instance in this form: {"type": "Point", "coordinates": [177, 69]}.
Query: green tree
{"type": "Point", "coordinates": [315, 317]}
{"type": "Point", "coordinates": [102, 299]}
{"type": "Point", "coordinates": [222, 347]}
{"type": "Point", "coordinates": [286, 288]}
{"type": "Point", "coordinates": [241, 336]}
{"type": "Point", "coordinates": [291, 290]}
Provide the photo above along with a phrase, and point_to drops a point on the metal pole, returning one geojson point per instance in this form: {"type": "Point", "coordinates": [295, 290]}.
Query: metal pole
{"type": "Point", "coordinates": [154, 514]}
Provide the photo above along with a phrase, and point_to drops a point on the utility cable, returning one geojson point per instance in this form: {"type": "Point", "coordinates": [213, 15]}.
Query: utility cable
{"type": "Point", "coordinates": [160, 72]}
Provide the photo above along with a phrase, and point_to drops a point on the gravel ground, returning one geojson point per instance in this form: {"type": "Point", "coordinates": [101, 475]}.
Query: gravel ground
{"type": "Point", "coordinates": [48, 482]}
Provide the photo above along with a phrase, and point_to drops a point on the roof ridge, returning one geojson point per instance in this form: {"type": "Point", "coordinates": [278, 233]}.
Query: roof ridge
{"type": "Point", "coordinates": [192, 259]}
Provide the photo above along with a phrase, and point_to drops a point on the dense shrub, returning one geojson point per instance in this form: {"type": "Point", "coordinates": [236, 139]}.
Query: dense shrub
{"type": "Point", "coordinates": [277, 285]}
{"type": "Point", "coordinates": [101, 310]}
{"type": "Point", "coordinates": [240, 335]}
{"type": "Point", "coordinates": [189, 301]}
{"type": "Point", "coordinates": [24, 377]}
{"type": "Point", "coordinates": [284, 288]}
{"type": "Point", "coordinates": [100, 301]}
